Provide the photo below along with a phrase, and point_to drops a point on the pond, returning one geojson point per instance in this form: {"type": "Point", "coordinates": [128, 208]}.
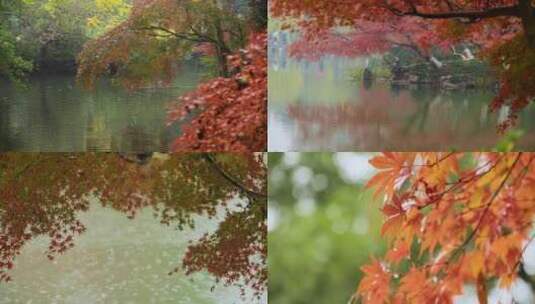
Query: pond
{"type": "Point", "coordinates": [51, 113]}
{"type": "Point", "coordinates": [116, 260]}
{"type": "Point", "coordinates": [316, 106]}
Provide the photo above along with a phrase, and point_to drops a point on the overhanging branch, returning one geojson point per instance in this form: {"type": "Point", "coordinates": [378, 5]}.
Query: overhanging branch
{"type": "Point", "coordinates": [508, 11]}
{"type": "Point", "coordinates": [210, 159]}
{"type": "Point", "coordinates": [504, 11]}
{"type": "Point", "coordinates": [185, 36]}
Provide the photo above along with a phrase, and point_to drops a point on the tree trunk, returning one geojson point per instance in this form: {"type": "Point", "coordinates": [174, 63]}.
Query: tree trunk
{"type": "Point", "coordinates": [222, 61]}
{"type": "Point", "coordinates": [221, 47]}
{"type": "Point", "coordinates": [527, 13]}
{"type": "Point", "coordinates": [259, 12]}
{"type": "Point", "coordinates": [43, 55]}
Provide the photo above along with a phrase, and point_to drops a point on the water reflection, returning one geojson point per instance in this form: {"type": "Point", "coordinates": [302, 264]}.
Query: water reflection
{"type": "Point", "coordinates": [315, 106]}
{"type": "Point", "coordinates": [53, 114]}
{"type": "Point", "coordinates": [70, 208]}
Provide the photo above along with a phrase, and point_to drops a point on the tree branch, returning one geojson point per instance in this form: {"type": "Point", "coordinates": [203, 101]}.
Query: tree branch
{"type": "Point", "coordinates": [210, 159]}
{"type": "Point", "coordinates": [456, 12]}
{"type": "Point", "coordinates": [505, 11]}
{"type": "Point", "coordinates": [184, 36]}
{"type": "Point", "coordinates": [488, 205]}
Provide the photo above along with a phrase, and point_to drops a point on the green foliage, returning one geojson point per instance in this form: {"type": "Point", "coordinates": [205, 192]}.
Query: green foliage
{"type": "Point", "coordinates": [50, 33]}
{"type": "Point", "coordinates": [325, 228]}
{"type": "Point", "coordinates": [508, 142]}
{"type": "Point", "coordinates": [12, 66]}
{"type": "Point", "coordinates": [408, 62]}
{"type": "Point", "coordinates": [379, 71]}
{"type": "Point", "coordinates": [210, 65]}
{"type": "Point", "coordinates": [107, 15]}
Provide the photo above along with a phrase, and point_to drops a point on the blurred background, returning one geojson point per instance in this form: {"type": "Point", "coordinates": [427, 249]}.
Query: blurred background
{"type": "Point", "coordinates": [322, 226]}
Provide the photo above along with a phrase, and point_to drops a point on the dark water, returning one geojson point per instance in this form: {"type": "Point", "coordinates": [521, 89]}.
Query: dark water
{"type": "Point", "coordinates": [53, 114]}
{"type": "Point", "coordinates": [316, 106]}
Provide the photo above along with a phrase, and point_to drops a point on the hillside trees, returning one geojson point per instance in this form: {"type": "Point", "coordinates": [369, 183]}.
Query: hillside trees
{"type": "Point", "coordinates": [50, 33]}
{"type": "Point", "coordinates": [451, 219]}
{"type": "Point", "coordinates": [505, 30]}
{"type": "Point", "coordinates": [43, 194]}
{"type": "Point", "coordinates": [12, 65]}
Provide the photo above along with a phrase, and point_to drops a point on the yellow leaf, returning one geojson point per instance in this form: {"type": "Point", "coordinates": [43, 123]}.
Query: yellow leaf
{"type": "Point", "coordinates": [477, 263]}
{"type": "Point", "coordinates": [93, 22]}
{"type": "Point", "coordinates": [475, 199]}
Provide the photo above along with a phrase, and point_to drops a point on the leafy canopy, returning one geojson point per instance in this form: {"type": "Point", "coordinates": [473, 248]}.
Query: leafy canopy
{"type": "Point", "coordinates": [158, 34]}
{"type": "Point", "coordinates": [43, 194]}
{"type": "Point", "coordinates": [234, 109]}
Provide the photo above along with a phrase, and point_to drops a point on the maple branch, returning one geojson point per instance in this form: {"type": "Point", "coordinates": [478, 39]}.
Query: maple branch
{"type": "Point", "coordinates": [438, 160]}
{"type": "Point", "coordinates": [184, 36]}
{"type": "Point", "coordinates": [457, 12]}
{"type": "Point", "coordinates": [505, 11]}
{"type": "Point", "coordinates": [30, 164]}
{"type": "Point", "coordinates": [523, 251]}
{"type": "Point", "coordinates": [487, 208]}
{"type": "Point", "coordinates": [210, 159]}
{"type": "Point", "coordinates": [461, 182]}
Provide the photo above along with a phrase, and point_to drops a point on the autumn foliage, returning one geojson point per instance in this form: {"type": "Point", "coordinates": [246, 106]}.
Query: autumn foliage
{"type": "Point", "coordinates": [369, 38]}
{"type": "Point", "coordinates": [233, 110]}
{"type": "Point", "coordinates": [148, 47]}
{"type": "Point", "coordinates": [42, 195]}
{"type": "Point", "coordinates": [450, 219]}
{"type": "Point", "coordinates": [226, 113]}
{"type": "Point", "coordinates": [503, 31]}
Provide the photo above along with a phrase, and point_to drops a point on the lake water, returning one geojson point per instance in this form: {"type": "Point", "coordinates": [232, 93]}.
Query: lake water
{"type": "Point", "coordinates": [53, 114]}
{"type": "Point", "coordinates": [117, 260]}
{"type": "Point", "coordinates": [316, 106]}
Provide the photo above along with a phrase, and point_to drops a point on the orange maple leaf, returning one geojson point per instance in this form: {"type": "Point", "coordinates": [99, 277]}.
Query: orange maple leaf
{"type": "Point", "coordinates": [375, 285]}
{"type": "Point", "coordinates": [395, 169]}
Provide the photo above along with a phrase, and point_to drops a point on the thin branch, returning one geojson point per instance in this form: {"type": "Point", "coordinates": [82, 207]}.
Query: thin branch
{"type": "Point", "coordinates": [487, 208]}
{"type": "Point", "coordinates": [504, 11]}
{"type": "Point", "coordinates": [210, 159]}
{"type": "Point", "coordinates": [455, 12]}
{"type": "Point", "coordinates": [30, 164]}
{"type": "Point", "coordinates": [184, 36]}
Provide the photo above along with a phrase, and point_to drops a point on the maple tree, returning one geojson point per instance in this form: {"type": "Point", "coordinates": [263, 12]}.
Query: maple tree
{"type": "Point", "coordinates": [145, 48]}
{"type": "Point", "coordinates": [450, 219]}
{"type": "Point", "coordinates": [234, 109]}
{"type": "Point", "coordinates": [504, 30]}
{"type": "Point", "coordinates": [43, 194]}
{"type": "Point", "coordinates": [159, 34]}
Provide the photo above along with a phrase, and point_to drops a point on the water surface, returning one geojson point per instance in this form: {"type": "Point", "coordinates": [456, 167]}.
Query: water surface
{"type": "Point", "coordinates": [316, 106]}
{"type": "Point", "coordinates": [53, 114]}
{"type": "Point", "coordinates": [117, 260]}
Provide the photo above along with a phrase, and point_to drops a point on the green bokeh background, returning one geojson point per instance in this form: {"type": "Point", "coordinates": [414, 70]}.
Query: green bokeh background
{"type": "Point", "coordinates": [323, 227]}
